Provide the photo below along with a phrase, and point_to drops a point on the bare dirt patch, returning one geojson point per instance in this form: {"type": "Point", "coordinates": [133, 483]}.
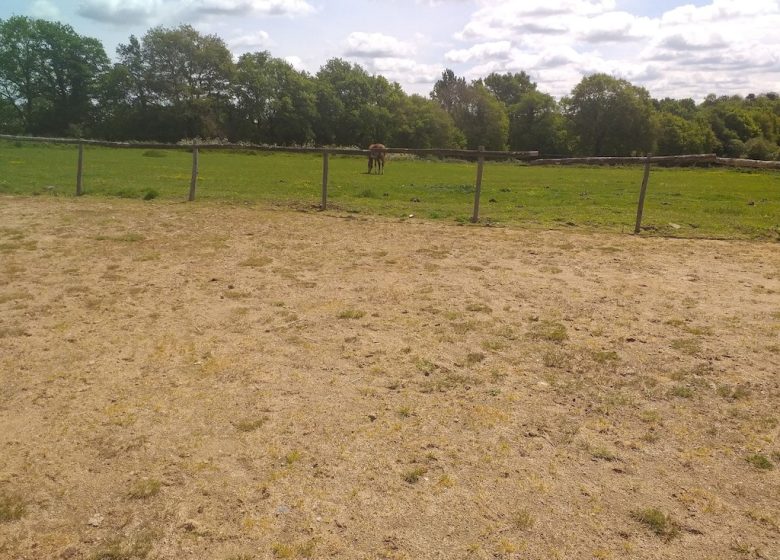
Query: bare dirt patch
{"type": "Point", "coordinates": [216, 381]}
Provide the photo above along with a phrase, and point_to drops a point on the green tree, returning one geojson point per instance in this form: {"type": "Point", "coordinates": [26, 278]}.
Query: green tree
{"type": "Point", "coordinates": [354, 108]}
{"type": "Point", "coordinates": [450, 91]}
{"type": "Point", "coordinates": [761, 148]}
{"type": "Point", "coordinates": [50, 74]}
{"type": "Point", "coordinates": [536, 123]}
{"type": "Point", "coordinates": [483, 120]}
{"type": "Point", "coordinates": [422, 123]}
{"type": "Point", "coordinates": [479, 115]}
{"type": "Point", "coordinates": [677, 135]}
{"type": "Point", "coordinates": [610, 117]}
{"type": "Point", "coordinates": [509, 88]}
{"type": "Point", "coordinates": [273, 102]}
{"type": "Point", "coordinates": [342, 89]}
{"type": "Point", "coordinates": [178, 82]}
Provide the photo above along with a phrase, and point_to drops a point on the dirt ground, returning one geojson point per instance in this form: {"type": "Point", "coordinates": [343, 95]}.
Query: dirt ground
{"type": "Point", "coordinates": [187, 381]}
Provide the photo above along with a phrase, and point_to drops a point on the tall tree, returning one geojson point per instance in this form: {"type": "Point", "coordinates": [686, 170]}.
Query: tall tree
{"type": "Point", "coordinates": [536, 123]}
{"type": "Point", "coordinates": [480, 116]}
{"type": "Point", "coordinates": [180, 77]}
{"type": "Point", "coordinates": [354, 107]}
{"type": "Point", "coordinates": [509, 88]}
{"type": "Point", "coordinates": [677, 135]}
{"type": "Point", "coordinates": [450, 91]}
{"type": "Point", "coordinates": [50, 74]}
{"type": "Point", "coordinates": [422, 123]}
{"type": "Point", "coordinates": [273, 102]}
{"type": "Point", "coordinates": [610, 117]}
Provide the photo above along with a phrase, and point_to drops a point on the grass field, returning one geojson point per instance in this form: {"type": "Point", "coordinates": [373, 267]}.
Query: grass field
{"type": "Point", "coordinates": [233, 382]}
{"type": "Point", "coordinates": [719, 203]}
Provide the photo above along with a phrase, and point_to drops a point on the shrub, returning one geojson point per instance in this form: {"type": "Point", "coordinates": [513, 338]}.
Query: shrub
{"type": "Point", "coordinates": [761, 148]}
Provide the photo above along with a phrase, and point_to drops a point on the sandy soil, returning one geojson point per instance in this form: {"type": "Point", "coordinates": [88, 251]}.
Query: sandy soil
{"type": "Point", "coordinates": [227, 382]}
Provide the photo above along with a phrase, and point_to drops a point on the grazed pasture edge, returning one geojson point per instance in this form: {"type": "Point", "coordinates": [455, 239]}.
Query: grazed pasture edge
{"type": "Point", "coordinates": [666, 161]}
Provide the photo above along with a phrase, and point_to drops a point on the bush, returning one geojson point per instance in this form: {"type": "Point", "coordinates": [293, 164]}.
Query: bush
{"type": "Point", "coordinates": [734, 148]}
{"type": "Point", "coordinates": [761, 148]}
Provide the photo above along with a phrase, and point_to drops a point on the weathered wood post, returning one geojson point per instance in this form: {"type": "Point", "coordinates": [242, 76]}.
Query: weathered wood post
{"type": "Point", "coordinates": [325, 158]}
{"type": "Point", "coordinates": [194, 179]}
{"type": "Point", "coordinates": [478, 189]}
{"type": "Point", "coordinates": [80, 172]}
{"type": "Point", "coordinates": [641, 207]}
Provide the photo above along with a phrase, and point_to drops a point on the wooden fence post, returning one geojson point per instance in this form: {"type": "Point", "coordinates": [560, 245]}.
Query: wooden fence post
{"type": "Point", "coordinates": [478, 189]}
{"type": "Point", "coordinates": [80, 172]}
{"type": "Point", "coordinates": [324, 203]}
{"type": "Point", "coordinates": [641, 207]}
{"type": "Point", "coordinates": [194, 180]}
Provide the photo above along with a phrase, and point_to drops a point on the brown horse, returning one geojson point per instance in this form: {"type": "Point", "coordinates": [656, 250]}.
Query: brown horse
{"type": "Point", "coordinates": [376, 156]}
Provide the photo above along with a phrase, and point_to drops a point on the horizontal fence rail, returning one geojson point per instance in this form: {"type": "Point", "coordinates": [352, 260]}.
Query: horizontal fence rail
{"type": "Point", "coordinates": [289, 149]}
{"type": "Point", "coordinates": [686, 159]}
{"type": "Point", "coordinates": [751, 163]}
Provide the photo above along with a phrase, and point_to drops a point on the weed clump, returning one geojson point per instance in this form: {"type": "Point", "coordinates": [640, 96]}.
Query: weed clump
{"type": "Point", "coordinates": [351, 314]}
{"type": "Point", "coordinates": [760, 462]}
{"type": "Point", "coordinates": [549, 331]}
{"type": "Point", "coordinates": [414, 475]}
{"type": "Point", "coordinates": [145, 488]}
{"type": "Point", "coordinates": [657, 521]}
{"type": "Point", "coordinates": [12, 507]}
{"type": "Point", "coordinates": [522, 519]}
{"type": "Point", "coordinates": [250, 424]}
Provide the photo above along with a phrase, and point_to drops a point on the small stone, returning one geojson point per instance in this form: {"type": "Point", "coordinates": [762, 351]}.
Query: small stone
{"type": "Point", "coordinates": [95, 521]}
{"type": "Point", "coordinates": [282, 509]}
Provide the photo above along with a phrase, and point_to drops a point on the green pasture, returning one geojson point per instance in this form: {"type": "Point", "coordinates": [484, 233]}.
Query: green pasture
{"type": "Point", "coordinates": [682, 202]}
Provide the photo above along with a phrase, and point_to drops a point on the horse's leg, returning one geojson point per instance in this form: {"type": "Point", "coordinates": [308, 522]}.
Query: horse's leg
{"type": "Point", "coordinates": [370, 163]}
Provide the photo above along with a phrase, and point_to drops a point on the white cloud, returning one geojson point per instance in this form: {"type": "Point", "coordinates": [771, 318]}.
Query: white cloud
{"type": "Point", "coordinates": [123, 12]}
{"type": "Point", "coordinates": [481, 52]}
{"type": "Point", "coordinates": [616, 27]}
{"type": "Point", "coordinates": [720, 10]}
{"type": "Point", "coordinates": [296, 62]}
{"type": "Point", "coordinates": [723, 46]}
{"type": "Point", "coordinates": [405, 70]}
{"type": "Point", "coordinates": [693, 42]}
{"type": "Point", "coordinates": [508, 19]}
{"type": "Point", "coordinates": [376, 45]}
{"type": "Point", "coordinates": [250, 42]}
{"type": "Point", "coordinates": [244, 7]}
{"type": "Point", "coordinates": [120, 11]}
{"type": "Point", "coordinates": [44, 9]}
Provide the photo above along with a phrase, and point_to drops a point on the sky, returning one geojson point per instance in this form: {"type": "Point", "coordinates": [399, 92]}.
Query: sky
{"type": "Point", "coordinates": [672, 48]}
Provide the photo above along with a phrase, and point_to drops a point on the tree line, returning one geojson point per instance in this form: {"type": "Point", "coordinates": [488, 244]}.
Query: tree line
{"type": "Point", "coordinates": [176, 83]}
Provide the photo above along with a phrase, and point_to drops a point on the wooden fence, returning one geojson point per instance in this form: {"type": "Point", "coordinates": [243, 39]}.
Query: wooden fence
{"type": "Point", "coordinates": [479, 155]}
